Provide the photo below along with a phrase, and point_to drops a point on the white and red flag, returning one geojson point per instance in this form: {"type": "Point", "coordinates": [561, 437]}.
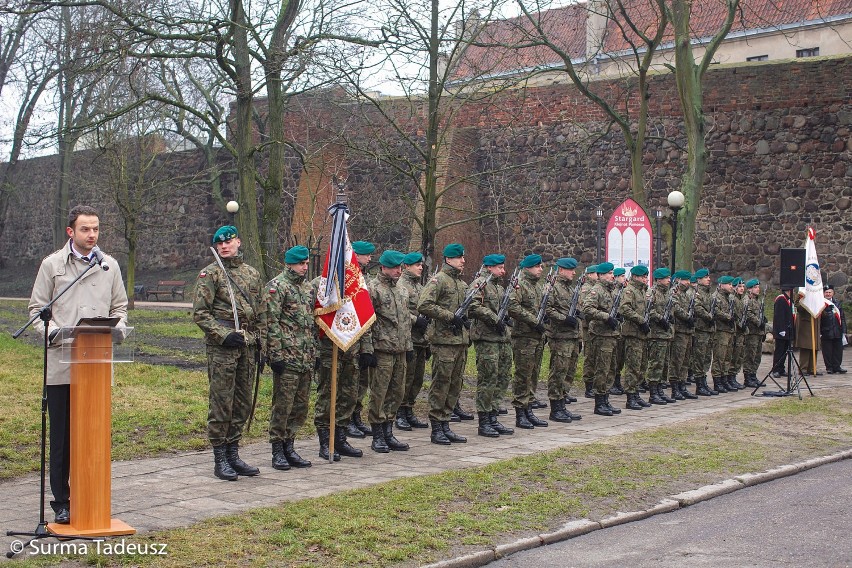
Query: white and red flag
{"type": "Point", "coordinates": [343, 309]}
{"type": "Point", "coordinates": [813, 299]}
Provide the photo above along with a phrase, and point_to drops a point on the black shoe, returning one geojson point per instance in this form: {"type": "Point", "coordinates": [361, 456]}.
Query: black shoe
{"type": "Point", "coordinates": [454, 417]}
{"type": "Point", "coordinates": [344, 448]}
{"type": "Point", "coordinates": [452, 436]}
{"type": "Point", "coordinates": [502, 430]}
{"type": "Point", "coordinates": [690, 378]}
{"type": "Point", "coordinates": [379, 444]}
{"type": "Point", "coordinates": [676, 392]}
{"type": "Point", "coordinates": [324, 434]}
{"type": "Point", "coordinates": [654, 397]}
{"type": "Point", "coordinates": [778, 375]}
{"type": "Point", "coordinates": [279, 461]}
{"type": "Point", "coordinates": [353, 431]}
{"type": "Point", "coordinates": [840, 370]}
{"type": "Point", "coordinates": [701, 388]}
{"type": "Point", "coordinates": [294, 459]}
{"type": "Point", "coordinates": [590, 393]}
{"type": "Point", "coordinates": [612, 409]}
{"type": "Point", "coordinates": [681, 386]}
{"type": "Point", "coordinates": [719, 385]}
{"type": "Point", "coordinates": [438, 436]}
{"type": "Point", "coordinates": [402, 420]}
{"type": "Point", "coordinates": [521, 420]}
{"type": "Point", "coordinates": [732, 380]}
{"type": "Point", "coordinates": [616, 389]}
{"type": "Point", "coordinates": [461, 413]}
{"type": "Point", "coordinates": [557, 412]}
{"type": "Point", "coordinates": [413, 421]}
{"type": "Point", "coordinates": [232, 452]}
{"type": "Point", "coordinates": [643, 387]}
{"type": "Point", "coordinates": [394, 444]}
{"type": "Point", "coordinates": [643, 403]}
{"type": "Point", "coordinates": [662, 392]}
{"type": "Point", "coordinates": [503, 411]}
{"type": "Point", "coordinates": [569, 399]}
{"type": "Point", "coordinates": [600, 406]}
{"type": "Point", "coordinates": [632, 404]}
{"type": "Point", "coordinates": [356, 420]}
{"type": "Point", "coordinates": [221, 468]}
{"type": "Point", "coordinates": [63, 516]}
{"type": "Point", "coordinates": [485, 427]}
{"type": "Point", "coordinates": [536, 404]}
{"type": "Point", "coordinates": [535, 420]}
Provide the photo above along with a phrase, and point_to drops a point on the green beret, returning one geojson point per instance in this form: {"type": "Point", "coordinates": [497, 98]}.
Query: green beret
{"type": "Point", "coordinates": [567, 262]}
{"type": "Point", "coordinates": [702, 272]}
{"type": "Point", "coordinates": [682, 275]}
{"type": "Point", "coordinates": [693, 279]}
{"type": "Point", "coordinates": [592, 269]}
{"type": "Point", "coordinates": [453, 250]}
{"type": "Point", "coordinates": [639, 270]}
{"type": "Point", "coordinates": [752, 283]}
{"type": "Point", "coordinates": [737, 281]}
{"type": "Point", "coordinates": [661, 273]}
{"type": "Point", "coordinates": [391, 258]}
{"type": "Point", "coordinates": [619, 271]}
{"type": "Point", "coordinates": [296, 255]}
{"type": "Point", "coordinates": [725, 279]}
{"type": "Point", "coordinates": [605, 267]}
{"type": "Point", "coordinates": [412, 258]}
{"type": "Point", "coordinates": [531, 260]}
{"type": "Point", "coordinates": [225, 233]}
{"type": "Point", "coordinates": [494, 259]}
{"type": "Point", "coordinates": [363, 247]}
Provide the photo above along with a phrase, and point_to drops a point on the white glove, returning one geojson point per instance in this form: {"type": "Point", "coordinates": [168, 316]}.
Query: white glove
{"type": "Point", "coordinates": [782, 334]}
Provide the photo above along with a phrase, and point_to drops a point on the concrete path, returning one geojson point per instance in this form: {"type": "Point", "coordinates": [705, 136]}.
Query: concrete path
{"type": "Point", "coordinates": [179, 490]}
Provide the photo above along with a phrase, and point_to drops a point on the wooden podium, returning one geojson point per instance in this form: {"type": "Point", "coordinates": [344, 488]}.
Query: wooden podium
{"type": "Point", "coordinates": [91, 420]}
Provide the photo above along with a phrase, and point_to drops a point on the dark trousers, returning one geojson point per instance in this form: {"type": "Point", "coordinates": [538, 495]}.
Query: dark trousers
{"type": "Point", "coordinates": [779, 362]}
{"type": "Point", "coordinates": [59, 411]}
{"type": "Point", "coordinates": [832, 353]}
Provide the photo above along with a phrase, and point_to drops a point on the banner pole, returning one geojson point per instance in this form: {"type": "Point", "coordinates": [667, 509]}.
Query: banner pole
{"type": "Point", "coordinates": [813, 346]}
{"type": "Point", "coordinates": [332, 403]}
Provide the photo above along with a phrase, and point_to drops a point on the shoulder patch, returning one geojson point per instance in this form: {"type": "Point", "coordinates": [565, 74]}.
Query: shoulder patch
{"type": "Point", "coordinates": [434, 279]}
{"type": "Point", "coordinates": [272, 290]}
{"type": "Point", "coordinates": [202, 274]}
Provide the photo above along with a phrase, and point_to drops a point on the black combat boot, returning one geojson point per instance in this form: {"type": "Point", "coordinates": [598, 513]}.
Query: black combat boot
{"type": "Point", "coordinates": [379, 444]}
{"type": "Point", "coordinates": [662, 392]}
{"type": "Point", "coordinates": [732, 380]}
{"type": "Point", "coordinates": [751, 381]}
{"type": "Point", "coordinates": [344, 448]}
{"type": "Point", "coordinates": [676, 394]}
{"type": "Point", "coordinates": [221, 468]}
{"type": "Point", "coordinates": [503, 411]}
{"type": "Point", "coordinates": [461, 413]}
{"type": "Point", "coordinates": [391, 440]}
{"type": "Point", "coordinates": [413, 420]}
{"type": "Point", "coordinates": [600, 405]}
{"type": "Point", "coordinates": [719, 386]}
{"type": "Point", "coordinates": [534, 420]}
{"type": "Point", "coordinates": [654, 396]}
{"type": "Point", "coordinates": [294, 459]}
{"type": "Point", "coordinates": [485, 427]}
{"type": "Point", "coordinates": [690, 378]}
{"type": "Point", "coordinates": [521, 420]}
{"type": "Point", "coordinates": [557, 411]}
{"type": "Point", "coordinates": [535, 404]}
{"type": "Point", "coordinates": [632, 403]}
{"type": "Point", "coordinates": [612, 409]}
{"type": "Point", "coordinates": [438, 436]}
{"type": "Point", "coordinates": [279, 461]}
{"type": "Point", "coordinates": [356, 420]}
{"type": "Point", "coordinates": [402, 419]}
{"type": "Point", "coordinates": [713, 392]}
{"type": "Point", "coordinates": [324, 434]}
{"type": "Point", "coordinates": [643, 386]}
{"type": "Point", "coordinates": [701, 388]}
{"type": "Point", "coordinates": [503, 430]}
{"type": "Point", "coordinates": [569, 399]}
{"type": "Point", "coordinates": [616, 388]}
{"type": "Point", "coordinates": [681, 386]}
{"type": "Point", "coordinates": [590, 393]}
{"type": "Point", "coordinates": [232, 452]}
{"type": "Point", "coordinates": [452, 436]}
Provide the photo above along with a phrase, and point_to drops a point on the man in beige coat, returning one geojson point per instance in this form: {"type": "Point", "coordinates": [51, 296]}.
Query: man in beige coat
{"type": "Point", "coordinates": [99, 293]}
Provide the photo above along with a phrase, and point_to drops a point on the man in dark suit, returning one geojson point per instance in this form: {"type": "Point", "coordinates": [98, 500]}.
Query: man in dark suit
{"type": "Point", "coordinates": [832, 330]}
{"type": "Point", "coordinates": [782, 330]}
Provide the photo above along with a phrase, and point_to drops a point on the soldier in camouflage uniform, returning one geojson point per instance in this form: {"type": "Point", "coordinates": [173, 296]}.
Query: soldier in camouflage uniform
{"type": "Point", "coordinates": [684, 329]}
{"type": "Point", "coordinates": [705, 328]}
{"type": "Point", "coordinates": [527, 340]}
{"type": "Point", "coordinates": [659, 338]}
{"type": "Point", "coordinates": [389, 339]}
{"type": "Point", "coordinates": [603, 336]}
{"type": "Point", "coordinates": [563, 336]}
{"type": "Point", "coordinates": [449, 337]}
{"type": "Point", "coordinates": [588, 373]}
{"type": "Point", "coordinates": [617, 388]}
{"type": "Point", "coordinates": [755, 331]}
{"type": "Point", "coordinates": [291, 344]}
{"type": "Point", "coordinates": [412, 271]}
{"type": "Point", "coordinates": [232, 354]}
{"type": "Point", "coordinates": [739, 334]}
{"type": "Point", "coordinates": [723, 315]}
{"type": "Point", "coordinates": [490, 337]}
{"type": "Point", "coordinates": [634, 330]}
{"type": "Point", "coordinates": [366, 361]}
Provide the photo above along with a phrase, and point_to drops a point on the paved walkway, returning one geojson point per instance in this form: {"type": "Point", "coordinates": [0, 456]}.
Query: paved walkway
{"type": "Point", "coordinates": [179, 490]}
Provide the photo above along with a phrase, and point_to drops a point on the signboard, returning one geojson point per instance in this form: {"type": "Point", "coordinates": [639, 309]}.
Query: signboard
{"type": "Point", "coordinates": [629, 237]}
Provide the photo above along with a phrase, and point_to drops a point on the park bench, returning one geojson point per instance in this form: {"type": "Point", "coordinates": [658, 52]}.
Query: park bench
{"type": "Point", "coordinates": [171, 288]}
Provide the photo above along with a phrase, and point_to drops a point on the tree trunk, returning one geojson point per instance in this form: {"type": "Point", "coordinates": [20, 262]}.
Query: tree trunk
{"type": "Point", "coordinates": [269, 235]}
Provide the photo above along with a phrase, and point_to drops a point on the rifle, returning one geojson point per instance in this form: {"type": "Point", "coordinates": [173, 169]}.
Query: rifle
{"type": "Point", "coordinates": [762, 317]}
{"type": "Point", "coordinates": [745, 312]}
{"type": "Point", "coordinates": [616, 302]}
{"type": "Point", "coordinates": [504, 301]}
{"type": "Point", "coordinates": [690, 311]}
{"type": "Point", "coordinates": [648, 305]}
{"type": "Point", "coordinates": [461, 311]}
{"type": "Point", "coordinates": [733, 322]}
{"type": "Point", "coordinates": [667, 310]}
{"type": "Point", "coordinates": [548, 288]}
{"type": "Point", "coordinates": [575, 299]}
{"type": "Point", "coordinates": [713, 303]}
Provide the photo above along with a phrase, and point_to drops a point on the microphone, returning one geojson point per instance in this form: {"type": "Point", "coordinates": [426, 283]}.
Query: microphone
{"type": "Point", "coordinates": [97, 257]}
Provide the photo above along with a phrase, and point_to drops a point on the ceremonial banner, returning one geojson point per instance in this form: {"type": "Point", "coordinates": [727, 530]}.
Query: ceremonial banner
{"type": "Point", "coordinates": [628, 237]}
{"type": "Point", "coordinates": [343, 308]}
{"type": "Point", "coordinates": [813, 300]}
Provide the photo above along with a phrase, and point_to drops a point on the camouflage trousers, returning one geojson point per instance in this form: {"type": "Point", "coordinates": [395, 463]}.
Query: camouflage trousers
{"type": "Point", "coordinates": [414, 376]}
{"type": "Point", "coordinates": [736, 359]}
{"type": "Point", "coordinates": [702, 353]}
{"type": "Point", "coordinates": [679, 356]}
{"type": "Point", "coordinates": [723, 342]}
{"type": "Point", "coordinates": [347, 387]}
{"type": "Point", "coordinates": [600, 357]}
{"type": "Point", "coordinates": [493, 372]}
{"type": "Point", "coordinates": [658, 360]}
{"type": "Point", "coordinates": [634, 363]}
{"type": "Point", "coordinates": [619, 357]}
{"type": "Point", "coordinates": [527, 352]}
{"type": "Point", "coordinates": [752, 352]}
{"type": "Point", "coordinates": [290, 396]}
{"type": "Point", "coordinates": [588, 372]}
{"type": "Point", "coordinates": [448, 363]}
{"type": "Point", "coordinates": [564, 354]}
{"type": "Point", "coordinates": [230, 373]}
{"type": "Point", "coordinates": [387, 385]}
{"type": "Point", "coordinates": [363, 386]}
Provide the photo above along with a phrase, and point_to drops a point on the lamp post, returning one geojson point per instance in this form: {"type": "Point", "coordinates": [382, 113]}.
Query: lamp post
{"type": "Point", "coordinates": [658, 237]}
{"type": "Point", "coordinates": [599, 214]}
{"type": "Point", "coordinates": [675, 200]}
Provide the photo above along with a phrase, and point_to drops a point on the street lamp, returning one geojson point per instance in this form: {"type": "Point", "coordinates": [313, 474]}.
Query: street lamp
{"type": "Point", "coordinates": [675, 200]}
{"type": "Point", "coordinates": [599, 214]}
{"type": "Point", "coordinates": [658, 236]}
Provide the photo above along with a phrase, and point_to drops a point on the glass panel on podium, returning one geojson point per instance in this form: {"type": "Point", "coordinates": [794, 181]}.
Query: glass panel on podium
{"type": "Point", "coordinates": [123, 348]}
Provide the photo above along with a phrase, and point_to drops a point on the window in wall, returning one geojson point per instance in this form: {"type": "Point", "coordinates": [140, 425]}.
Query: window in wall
{"type": "Point", "coordinates": [808, 52]}
{"type": "Point", "coordinates": [758, 58]}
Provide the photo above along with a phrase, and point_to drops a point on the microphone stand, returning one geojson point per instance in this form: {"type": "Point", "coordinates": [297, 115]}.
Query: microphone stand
{"type": "Point", "coordinates": [45, 314]}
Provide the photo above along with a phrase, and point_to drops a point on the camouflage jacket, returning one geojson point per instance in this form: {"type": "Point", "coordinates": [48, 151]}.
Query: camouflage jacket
{"type": "Point", "coordinates": [558, 305]}
{"type": "Point", "coordinates": [524, 302]}
{"type": "Point", "coordinates": [738, 311]}
{"type": "Point", "coordinates": [391, 332]}
{"type": "Point", "coordinates": [292, 333]}
{"type": "Point", "coordinates": [632, 308]}
{"type": "Point", "coordinates": [658, 308]}
{"type": "Point", "coordinates": [439, 300]}
{"type": "Point", "coordinates": [212, 306]}
{"type": "Point", "coordinates": [680, 309]}
{"type": "Point", "coordinates": [703, 302]}
{"type": "Point", "coordinates": [754, 323]}
{"type": "Point", "coordinates": [412, 284]}
{"type": "Point", "coordinates": [596, 307]}
{"type": "Point", "coordinates": [483, 311]}
{"type": "Point", "coordinates": [724, 314]}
